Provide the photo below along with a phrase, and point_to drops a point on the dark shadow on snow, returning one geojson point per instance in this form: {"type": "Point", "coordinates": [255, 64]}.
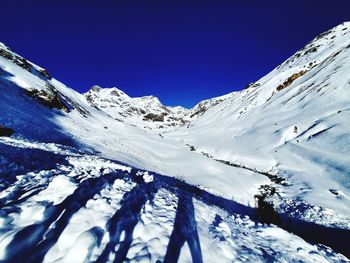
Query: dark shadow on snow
{"type": "Point", "coordinates": [33, 242]}
{"type": "Point", "coordinates": [185, 230]}
{"type": "Point", "coordinates": [125, 220]}
{"type": "Point", "coordinates": [20, 161]}
{"type": "Point", "coordinates": [336, 238]}
{"type": "Point", "coordinates": [27, 117]}
{"type": "Point", "coordinates": [232, 207]}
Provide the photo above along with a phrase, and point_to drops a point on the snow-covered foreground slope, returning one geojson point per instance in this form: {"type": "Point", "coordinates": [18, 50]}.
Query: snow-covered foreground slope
{"type": "Point", "coordinates": [76, 207]}
{"type": "Point", "coordinates": [276, 152]}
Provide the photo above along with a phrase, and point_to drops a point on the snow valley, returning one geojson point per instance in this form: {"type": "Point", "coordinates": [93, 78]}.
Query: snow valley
{"type": "Point", "coordinates": [262, 174]}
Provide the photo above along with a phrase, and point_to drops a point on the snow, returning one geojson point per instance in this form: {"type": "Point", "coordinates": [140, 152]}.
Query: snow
{"type": "Point", "coordinates": [227, 146]}
{"type": "Point", "coordinates": [58, 189]}
{"type": "Point", "coordinates": [255, 127]}
{"type": "Point", "coordinates": [134, 111]}
{"type": "Point", "coordinates": [228, 236]}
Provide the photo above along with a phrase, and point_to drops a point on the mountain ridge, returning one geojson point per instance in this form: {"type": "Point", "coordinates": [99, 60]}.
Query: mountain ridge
{"type": "Point", "coordinates": [302, 61]}
{"type": "Point", "coordinates": [146, 111]}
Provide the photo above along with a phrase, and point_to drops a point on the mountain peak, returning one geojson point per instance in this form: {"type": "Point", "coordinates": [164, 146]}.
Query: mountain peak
{"type": "Point", "coordinates": [95, 88]}
{"type": "Point", "coordinates": [112, 90]}
{"type": "Point", "coordinates": [146, 112]}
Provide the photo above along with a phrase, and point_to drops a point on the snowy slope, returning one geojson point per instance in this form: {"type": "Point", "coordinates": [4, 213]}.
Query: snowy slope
{"type": "Point", "coordinates": [275, 152]}
{"type": "Point", "coordinates": [80, 124]}
{"type": "Point", "coordinates": [293, 122]}
{"type": "Point", "coordinates": [83, 208]}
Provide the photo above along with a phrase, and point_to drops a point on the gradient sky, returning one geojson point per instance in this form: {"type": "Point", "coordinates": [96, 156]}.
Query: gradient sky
{"type": "Point", "coordinates": [179, 51]}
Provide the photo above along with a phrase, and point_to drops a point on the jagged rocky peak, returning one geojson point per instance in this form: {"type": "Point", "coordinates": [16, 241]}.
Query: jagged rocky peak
{"type": "Point", "coordinates": [146, 112]}
{"type": "Point", "coordinates": [106, 91]}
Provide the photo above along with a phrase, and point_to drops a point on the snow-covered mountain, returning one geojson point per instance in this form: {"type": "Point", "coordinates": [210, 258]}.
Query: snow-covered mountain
{"type": "Point", "coordinates": [146, 112]}
{"type": "Point", "coordinates": [275, 152]}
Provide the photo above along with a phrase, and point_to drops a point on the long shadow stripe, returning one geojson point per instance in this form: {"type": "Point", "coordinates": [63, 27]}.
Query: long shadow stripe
{"type": "Point", "coordinates": [33, 242]}
{"type": "Point", "coordinates": [125, 220]}
{"type": "Point", "coordinates": [185, 230]}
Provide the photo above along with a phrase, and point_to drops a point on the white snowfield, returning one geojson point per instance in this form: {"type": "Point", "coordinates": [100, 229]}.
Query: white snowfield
{"type": "Point", "coordinates": [64, 192]}
{"type": "Point", "coordinates": [301, 132]}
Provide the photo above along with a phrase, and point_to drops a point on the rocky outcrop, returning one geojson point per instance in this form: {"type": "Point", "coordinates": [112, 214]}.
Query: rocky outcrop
{"type": "Point", "coordinates": [23, 63]}
{"type": "Point", "coordinates": [146, 112]}
{"type": "Point", "coordinates": [45, 73]}
{"type": "Point", "coordinates": [153, 117]}
{"type": "Point", "coordinates": [52, 99]}
{"type": "Point", "coordinates": [5, 131]}
{"type": "Point", "coordinates": [290, 80]}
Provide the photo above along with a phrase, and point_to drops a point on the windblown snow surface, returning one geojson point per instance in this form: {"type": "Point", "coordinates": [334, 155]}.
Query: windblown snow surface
{"type": "Point", "coordinates": [260, 175]}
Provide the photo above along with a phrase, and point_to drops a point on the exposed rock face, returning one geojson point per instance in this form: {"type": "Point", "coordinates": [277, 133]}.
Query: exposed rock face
{"type": "Point", "coordinates": [43, 89]}
{"type": "Point", "coordinates": [23, 63]}
{"type": "Point", "coordinates": [203, 106]}
{"type": "Point", "coordinates": [4, 53]}
{"type": "Point", "coordinates": [51, 99]}
{"type": "Point", "coordinates": [290, 80]}
{"type": "Point", "coordinates": [45, 73]}
{"type": "Point", "coordinates": [154, 117]}
{"type": "Point", "coordinates": [146, 112]}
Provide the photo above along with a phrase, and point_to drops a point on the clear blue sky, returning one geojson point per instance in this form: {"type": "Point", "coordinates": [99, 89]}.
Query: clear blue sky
{"type": "Point", "coordinates": [180, 51]}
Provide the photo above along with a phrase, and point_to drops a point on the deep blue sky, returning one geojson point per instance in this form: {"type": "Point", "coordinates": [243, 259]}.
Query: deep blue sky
{"type": "Point", "coordinates": [180, 51]}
